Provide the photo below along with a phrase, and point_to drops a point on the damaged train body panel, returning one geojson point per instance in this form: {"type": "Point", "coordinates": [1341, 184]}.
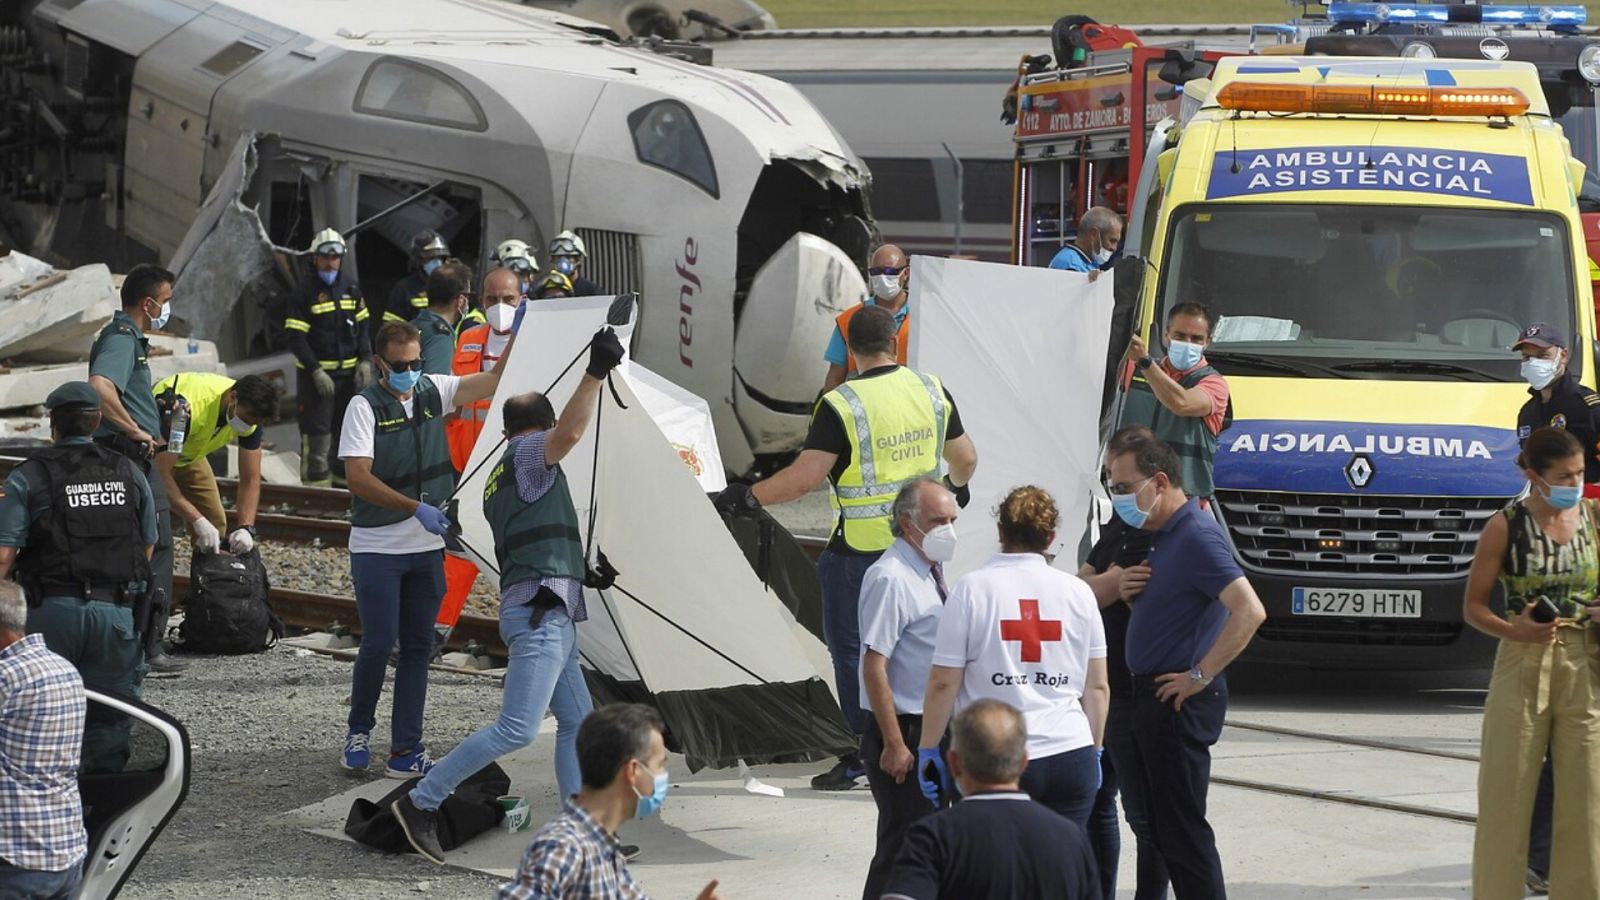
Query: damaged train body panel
{"type": "Point", "coordinates": [219, 136]}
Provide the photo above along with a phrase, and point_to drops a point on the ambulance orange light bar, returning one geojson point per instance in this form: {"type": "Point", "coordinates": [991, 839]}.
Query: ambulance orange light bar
{"type": "Point", "coordinates": [1372, 100]}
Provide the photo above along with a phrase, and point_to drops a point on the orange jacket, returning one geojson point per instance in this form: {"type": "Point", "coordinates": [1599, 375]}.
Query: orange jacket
{"type": "Point", "coordinates": [464, 425]}
{"type": "Point", "coordinates": [902, 338]}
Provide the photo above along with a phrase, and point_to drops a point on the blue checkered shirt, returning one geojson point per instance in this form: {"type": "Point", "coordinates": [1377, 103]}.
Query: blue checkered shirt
{"type": "Point", "coordinates": [534, 480]}
{"type": "Point", "coordinates": [573, 858]}
{"type": "Point", "coordinates": [41, 737]}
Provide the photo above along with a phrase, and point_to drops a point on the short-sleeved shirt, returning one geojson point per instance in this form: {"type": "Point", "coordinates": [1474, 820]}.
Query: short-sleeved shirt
{"type": "Point", "coordinates": [1072, 260]}
{"type": "Point", "coordinates": [438, 342]}
{"type": "Point", "coordinates": [572, 857]}
{"type": "Point", "coordinates": [1572, 407]}
{"type": "Point", "coordinates": [357, 440]}
{"type": "Point", "coordinates": [838, 353]}
{"type": "Point", "coordinates": [1024, 633]}
{"type": "Point", "coordinates": [22, 505]}
{"type": "Point", "coordinates": [1178, 616]}
{"type": "Point", "coordinates": [899, 611]}
{"type": "Point", "coordinates": [829, 434]}
{"type": "Point", "coordinates": [994, 846]}
{"type": "Point", "coordinates": [121, 355]}
{"type": "Point", "coordinates": [1215, 387]}
{"type": "Point", "coordinates": [1122, 545]}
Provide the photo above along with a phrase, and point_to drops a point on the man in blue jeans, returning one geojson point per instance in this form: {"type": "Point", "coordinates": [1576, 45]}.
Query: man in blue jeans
{"type": "Point", "coordinates": [1194, 612]}
{"type": "Point", "coordinates": [539, 551]}
{"type": "Point", "coordinates": [397, 460]}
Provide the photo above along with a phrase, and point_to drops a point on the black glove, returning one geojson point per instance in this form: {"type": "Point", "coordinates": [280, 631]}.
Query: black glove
{"type": "Point", "coordinates": [737, 500]}
{"type": "Point", "coordinates": [605, 353]}
{"type": "Point", "coordinates": [963, 493]}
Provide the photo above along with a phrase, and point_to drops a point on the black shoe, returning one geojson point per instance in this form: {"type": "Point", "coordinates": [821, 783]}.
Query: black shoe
{"type": "Point", "coordinates": [844, 775]}
{"type": "Point", "coordinates": [165, 664]}
{"type": "Point", "coordinates": [421, 828]}
{"type": "Point", "coordinates": [629, 852]}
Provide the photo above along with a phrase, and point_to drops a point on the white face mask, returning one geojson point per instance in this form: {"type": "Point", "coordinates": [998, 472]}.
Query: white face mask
{"type": "Point", "coordinates": [1538, 373]}
{"type": "Point", "coordinates": [939, 544]}
{"type": "Point", "coordinates": [239, 425]}
{"type": "Point", "coordinates": [500, 316]}
{"type": "Point", "coordinates": [886, 287]}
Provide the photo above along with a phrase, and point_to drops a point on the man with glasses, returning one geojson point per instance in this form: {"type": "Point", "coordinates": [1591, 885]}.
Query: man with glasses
{"type": "Point", "coordinates": [890, 278]}
{"type": "Point", "coordinates": [398, 461]}
{"type": "Point", "coordinates": [325, 326]}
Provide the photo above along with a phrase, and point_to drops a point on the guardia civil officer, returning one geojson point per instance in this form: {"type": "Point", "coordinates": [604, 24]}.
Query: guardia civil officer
{"type": "Point", "coordinates": [1556, 399]}
{"type": "Point", "coordinates": [908, 421]}
{"type": "Point", "coordinates": [398, 458]}
{"type": "Point", "coordinates": [409, 295]}
{"type": "Point", "coordinates": [448, 287]}
{"type": "Point", "coordinates": [325, 325]}
{"type": "Point", "coordinates": [77, 528]}
{"type": "Point", "coordinates": [119, 372]}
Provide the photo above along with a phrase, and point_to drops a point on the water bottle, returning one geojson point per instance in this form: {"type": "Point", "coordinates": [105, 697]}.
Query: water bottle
{"type": "Point", "coordinates": [194, 344]}
{"type": "Point", "coordinates": [179, 427]}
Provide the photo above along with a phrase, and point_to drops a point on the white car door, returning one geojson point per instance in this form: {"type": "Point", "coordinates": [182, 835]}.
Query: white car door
{"type": "Point", "coordinates": [138, 779]}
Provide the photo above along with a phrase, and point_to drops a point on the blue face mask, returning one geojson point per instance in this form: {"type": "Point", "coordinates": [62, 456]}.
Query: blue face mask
{"type": "Point", "coordinates": [328, 278]}
{"type": "Point", "coordinates": [565, 265]}
{"type": "Point", "coordinates": [1562, 496]}
{"type": "Point", "coordinates": [404, 381]}
{"type": "Point", "coordinates": [431, 266]}
{"type": "Point", "coordinates": [649, 806]}
{"type": "Point", "coordinates": [1127, 507]}
{"type": "Point", "coordinates": [1184, 355]}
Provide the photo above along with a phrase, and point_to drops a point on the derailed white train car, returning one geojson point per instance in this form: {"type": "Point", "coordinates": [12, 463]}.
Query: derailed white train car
{"type": "Point", "coordinates": [723, 198]}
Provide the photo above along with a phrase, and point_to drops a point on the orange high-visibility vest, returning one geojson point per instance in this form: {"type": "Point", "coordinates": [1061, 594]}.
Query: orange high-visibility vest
{"type": "Point", "coordinates": [902, 338]}
{"type": "Point", "coordinates": [463, 427]}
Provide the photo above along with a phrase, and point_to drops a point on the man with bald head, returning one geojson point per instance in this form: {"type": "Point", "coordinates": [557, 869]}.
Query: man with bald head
{"type": "Point", "coordinates": [889, 277]}
{"type": "Point", "coordinates": [1099, 234]}
{"type": "Point", "coordinates": [997, 842]}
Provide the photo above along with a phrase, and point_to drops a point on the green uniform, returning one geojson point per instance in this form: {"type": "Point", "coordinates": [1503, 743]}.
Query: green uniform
{"type": "Point", "coordinates": [438, 342]}
{"type": "Point", "coordinates": [409, 453]}
{"type": "Point", "coordinates": [532, 541]}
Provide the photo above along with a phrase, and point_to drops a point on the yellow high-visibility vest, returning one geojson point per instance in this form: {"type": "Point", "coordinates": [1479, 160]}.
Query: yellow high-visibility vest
{"type": "Point", "coordinates": [208, 431]}
{"type": "Point", "coordinates": [896, 422]}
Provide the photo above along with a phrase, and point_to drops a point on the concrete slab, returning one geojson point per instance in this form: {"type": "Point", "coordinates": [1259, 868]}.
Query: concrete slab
{"type": "Point", "coordinates": [65, 306]}
{"type": "Point", "coordinates": [27, 386]}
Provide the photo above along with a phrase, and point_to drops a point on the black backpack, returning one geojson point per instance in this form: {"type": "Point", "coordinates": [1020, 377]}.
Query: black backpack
{"type": "Point", "coordinates": [226, 609]}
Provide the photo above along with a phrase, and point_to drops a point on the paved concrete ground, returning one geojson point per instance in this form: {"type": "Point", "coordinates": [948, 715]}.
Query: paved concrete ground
{"type": "Point", "coordinates": [809, 845]}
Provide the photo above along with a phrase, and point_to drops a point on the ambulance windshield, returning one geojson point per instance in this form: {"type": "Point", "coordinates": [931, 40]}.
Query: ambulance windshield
{"type": "Point", "coordinates": [1339, 286]}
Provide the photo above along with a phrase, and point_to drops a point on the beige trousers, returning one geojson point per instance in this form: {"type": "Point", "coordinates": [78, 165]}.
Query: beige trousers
{"type": "Point", "coordinates": [1540, 696]}
{"type": "Point", "coordinates": [199, 486]}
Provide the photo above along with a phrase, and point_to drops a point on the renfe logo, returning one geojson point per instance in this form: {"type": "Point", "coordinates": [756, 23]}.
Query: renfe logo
{"type": "Point", "coordinates": [1458, 173]}
{"type": "Point", "coordinates": [686, 293]}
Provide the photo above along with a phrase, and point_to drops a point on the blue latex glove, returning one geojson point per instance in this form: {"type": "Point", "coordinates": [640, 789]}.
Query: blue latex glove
{"type": "Point", "coordinates": [516, 320]}
{"type": "Point", "coordinates": [432, 518]}
{"type": "Point", "coordinates": [1099, 768]}
{"type": "Point", "coordinates": [930, 757]}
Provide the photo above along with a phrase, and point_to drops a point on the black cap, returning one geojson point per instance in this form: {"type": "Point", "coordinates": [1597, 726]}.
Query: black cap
{"type": "Point", "coordinates": [1542, 335]}
{"type": "Point", "coordinates": [73, 394]}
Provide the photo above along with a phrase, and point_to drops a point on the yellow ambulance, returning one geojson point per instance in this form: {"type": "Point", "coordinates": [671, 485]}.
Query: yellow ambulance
{"type": "Point", "coordinates": [1370, 235]}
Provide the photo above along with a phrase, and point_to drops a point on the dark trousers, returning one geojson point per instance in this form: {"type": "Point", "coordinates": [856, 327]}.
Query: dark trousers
{"type": "Point", "coordinates": [899, 803]}
{"type": "Point", "coordinates": [1150, 872]}
{"type": "Point", "coordinates": [397, 599]}
{"type": "Point", "coordinates": [160, 572]}
{"type": "Point", "coordinates": [841, 577]}
{"type": "Point", "coordinates": [1544, 803]}
{"type": "Point", "coordinates": [1105, 834]}
{"type": "Point", "coordinates": [32, 884]}
{"type": "Point", "coordinates": [1174, 750]}
{"type": "Point", "coordinates": [319, 415]}
{"type": "Point", "coordinates": [1064, 782]}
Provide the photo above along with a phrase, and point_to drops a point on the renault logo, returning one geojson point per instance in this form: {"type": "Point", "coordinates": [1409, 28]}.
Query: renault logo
{"type": "Point", "coordinates": [1358, 471]}
{"type": "Point", "coordinates": [1493, 48]}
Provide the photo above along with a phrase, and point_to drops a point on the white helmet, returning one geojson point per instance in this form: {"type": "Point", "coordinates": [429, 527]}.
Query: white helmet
{"type": "Point", "coordinates": [515, 255]}
{"type": "Point", "coordinates": [328, 243]}
{"type": "Point", "coordinates": [567, 243]}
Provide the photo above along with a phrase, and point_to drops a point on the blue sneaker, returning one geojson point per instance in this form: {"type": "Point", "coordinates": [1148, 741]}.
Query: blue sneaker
{"type": "Point", "coordinates": [409, 765]}
{"type": "Point", "coordinates": [356, 755]}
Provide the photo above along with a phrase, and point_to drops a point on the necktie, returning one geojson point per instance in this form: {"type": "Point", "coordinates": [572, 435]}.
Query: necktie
{"type": "Point", "coordinates": [938, 581]}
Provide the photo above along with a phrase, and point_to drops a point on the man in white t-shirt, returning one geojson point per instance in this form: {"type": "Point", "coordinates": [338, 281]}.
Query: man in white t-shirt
{"type": "Point", "coordinates": [902, 595]}
{"type": "Point", "coordinates": [1029, 635]}
{"type": "Point", "coordinates": [397, 461]}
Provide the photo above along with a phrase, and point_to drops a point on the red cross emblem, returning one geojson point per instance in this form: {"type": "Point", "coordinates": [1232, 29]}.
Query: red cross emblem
{"type": "Point", "coordinates": [1031, 630]}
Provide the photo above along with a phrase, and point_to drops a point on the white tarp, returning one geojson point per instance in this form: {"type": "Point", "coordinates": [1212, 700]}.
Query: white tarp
{"type": "Point", "coordinates": [688, 613]}
{"type": "Point", "coordinates": [1023, 352]}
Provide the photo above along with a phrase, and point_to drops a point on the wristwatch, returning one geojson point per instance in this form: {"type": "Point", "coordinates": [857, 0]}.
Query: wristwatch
{"type": "Point", "coordinates": [1199, 677]}
{"type": "Point", "coordinates": [1143, 363]}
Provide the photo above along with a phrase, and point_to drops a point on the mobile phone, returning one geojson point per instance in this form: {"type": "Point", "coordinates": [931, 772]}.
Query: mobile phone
{"type": "Point", "coordinates": [1544, 612]}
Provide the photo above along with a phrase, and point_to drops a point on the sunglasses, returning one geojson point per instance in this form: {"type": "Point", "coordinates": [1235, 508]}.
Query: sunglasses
{"type": "Point", "coordinates": [414, 365]}
{"type": "Point", "coordinates": [886, 270]}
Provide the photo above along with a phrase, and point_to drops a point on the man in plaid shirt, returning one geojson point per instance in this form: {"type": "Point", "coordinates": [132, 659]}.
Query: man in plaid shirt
{"type": "Point", "coordinates": [576, 855]}
{"type": "Point", "coordinates": [42, 842]}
